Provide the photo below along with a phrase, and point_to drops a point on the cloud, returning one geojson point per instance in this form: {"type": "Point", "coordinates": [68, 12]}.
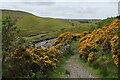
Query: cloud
{"type": "Point", "coordinates": [59, 0]}
{"type": "Point", "coordinates": [28, 0]}
{"type": "Point", "coordinates": [83, 10]}
{"type": "Point", "coordinates": [66, 9]}
{"type": "Point", "coordinates": [39, 3]}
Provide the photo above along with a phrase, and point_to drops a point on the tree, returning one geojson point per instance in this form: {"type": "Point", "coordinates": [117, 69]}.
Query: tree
{"type": "Point", "coordinates": [9, 36]}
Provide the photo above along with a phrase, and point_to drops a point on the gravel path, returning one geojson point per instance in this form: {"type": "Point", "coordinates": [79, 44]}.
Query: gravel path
{"type": "Point", "coordinates": [76, 69]}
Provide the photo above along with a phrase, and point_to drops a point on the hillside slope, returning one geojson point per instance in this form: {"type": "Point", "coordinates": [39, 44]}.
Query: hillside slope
{"type": "Point", "coordinates": [33, 25]}
{"type": "Point", "coordinates": [36, 28]}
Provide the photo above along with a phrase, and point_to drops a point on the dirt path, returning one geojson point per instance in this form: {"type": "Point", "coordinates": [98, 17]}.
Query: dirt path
{"type": "Point", "coordinates": [76, 69]}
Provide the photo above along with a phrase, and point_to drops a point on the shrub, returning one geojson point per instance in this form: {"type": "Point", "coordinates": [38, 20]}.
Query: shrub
{"type": "Point", "coordinates": [9, 36]}
{"type": "Point", "coordinates": [29, 61]}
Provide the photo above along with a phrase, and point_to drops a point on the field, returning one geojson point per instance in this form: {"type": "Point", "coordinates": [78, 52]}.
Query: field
{"type": "Point", "coordinates": [37, 28]}
{"type": "Point", "coordinates": [80, 48]}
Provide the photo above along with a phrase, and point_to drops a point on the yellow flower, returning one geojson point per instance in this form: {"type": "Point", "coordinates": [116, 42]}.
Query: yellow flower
{"type": "Point", "coordinates": [48, 61]}
{"type": "Point", "coordinates": [56, 59]}
{"type": "Point", "coordinates": [90, 57]}
{"type": "Point", "coordinates": [46, 57]}
{"type": "Point", "coordinates": [113, 50]}
{"type": "Point", "coordinates": [116, 61]}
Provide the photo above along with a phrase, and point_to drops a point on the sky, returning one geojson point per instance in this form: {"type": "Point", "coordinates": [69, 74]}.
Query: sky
{"type": "Point", "coordinates": [67, 9]}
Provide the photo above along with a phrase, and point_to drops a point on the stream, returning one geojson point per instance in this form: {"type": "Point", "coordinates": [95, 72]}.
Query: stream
{"type": "Point", "coordinates": [46, 43]}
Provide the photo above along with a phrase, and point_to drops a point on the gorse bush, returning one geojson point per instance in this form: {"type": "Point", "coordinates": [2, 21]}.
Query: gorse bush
{"type": "Point", "coordinates": [27, 61]}
{"type": "Point", "coordinates": [67, 38]}
{"type": "Point", "coordinates": [64, 39]}
{"type": "Point", "coordinates": [102, 47]}
{"type": "Point", "coordinates": [104, 38]}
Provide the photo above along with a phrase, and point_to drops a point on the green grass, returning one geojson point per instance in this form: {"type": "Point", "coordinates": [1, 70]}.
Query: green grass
{"type": "Point", "coordinates": [77, 29]}
{"type": "Point", "coordinates": [101, 70]}
{"type": "Point", "coordinates": [33, 27]}
{"type": "Point", "coordinates": [60, 70]}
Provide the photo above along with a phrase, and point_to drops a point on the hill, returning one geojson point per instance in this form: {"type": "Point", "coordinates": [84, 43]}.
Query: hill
{"type": "Point", "coordinates": [35, 27]}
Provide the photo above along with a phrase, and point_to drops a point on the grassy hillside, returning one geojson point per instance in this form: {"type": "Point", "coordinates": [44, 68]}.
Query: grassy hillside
{"type": "Point", "coordinates": [33, 25]}
{"type": "Point", "coordinates": [37, 28]}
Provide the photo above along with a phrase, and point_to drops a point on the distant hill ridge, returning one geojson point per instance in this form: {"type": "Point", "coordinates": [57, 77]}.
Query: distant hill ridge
{"type": "Point", "coordinates": [24, 12]}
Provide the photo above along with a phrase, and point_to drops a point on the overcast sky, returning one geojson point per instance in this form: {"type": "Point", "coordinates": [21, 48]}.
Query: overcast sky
{"type": "Point", "coordinates": [72, 9]}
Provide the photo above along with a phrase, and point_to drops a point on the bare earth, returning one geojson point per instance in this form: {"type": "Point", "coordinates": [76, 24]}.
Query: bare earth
{"type": "Point", "coordinates": [76, 69]}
